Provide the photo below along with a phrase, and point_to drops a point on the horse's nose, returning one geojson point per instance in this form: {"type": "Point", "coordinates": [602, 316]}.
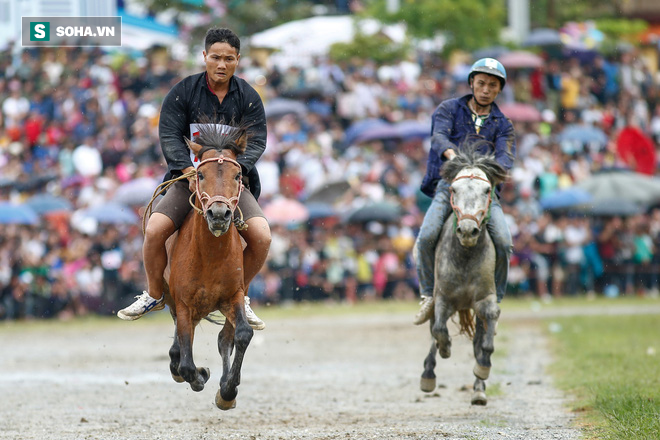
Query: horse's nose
{"type": "Point", "coordinates": [219, 212]}
{"type": "Point", "coordinates": [466, 230]}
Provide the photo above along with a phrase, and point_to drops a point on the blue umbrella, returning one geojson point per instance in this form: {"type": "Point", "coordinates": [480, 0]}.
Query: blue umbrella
{"type": "Point", "coordinates": [378, 132]}
{"type": "Point", "coordinates": [110, 212]}
{"type": "Point", "coordinates": [320, 210]}
{"type": "Point", "coordinates": [565, 198]}
{"type": "Point", "coordinates": [44, 203]}
{"type": "Point", "coordinates": [278, 107]}
{"type": "Point", "coordinates": [411, 129]}
{"type": "Point", "coordinates": [582, 134]}
{"type": "Point", "coordinates": [542, 37]}
{"type": "Point", "coordinates": [17, 214]}
{"type": "Point", "coordinates": [359, 127]}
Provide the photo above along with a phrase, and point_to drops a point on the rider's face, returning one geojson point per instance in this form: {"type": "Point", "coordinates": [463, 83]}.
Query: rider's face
{"type": "Point", "coordinates": [221, 61]}
{"type": "Point", "coordinates": [485, 88]}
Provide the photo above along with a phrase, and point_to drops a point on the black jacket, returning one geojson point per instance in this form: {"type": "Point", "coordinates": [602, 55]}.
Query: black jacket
{"type": "Point", "coordinates": [190, 101]}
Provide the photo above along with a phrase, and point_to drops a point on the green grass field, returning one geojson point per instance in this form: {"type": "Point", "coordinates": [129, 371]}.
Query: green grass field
{"type": "Point", "coordinates": [611, 365]}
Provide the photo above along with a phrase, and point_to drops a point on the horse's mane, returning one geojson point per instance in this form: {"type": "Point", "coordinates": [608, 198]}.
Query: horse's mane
{"type": "Point", "coordinates": [470, 154]}
{"type": "Point", "coordinates": [212, 136]}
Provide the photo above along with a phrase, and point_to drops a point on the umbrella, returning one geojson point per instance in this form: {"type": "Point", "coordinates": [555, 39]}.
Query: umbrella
{"type": "Point", "coordinates": [490, 52]}
{"type": "Point", "coordinates": [412, 129]}
{"type": "Point", "coordinates": [111, 212]}
{"type": "Point", "coordinates": [582, 134]}
{"type": "Point", "coordinates": [612, 207]}
{"type": "Point", "coordinates": [45, 203]}
{"type": "Point", "coordinates": [17, 214]}
{"type": "Point", "coordinates": [520, 59]}
{"type": "Point", "coordinates": [623, 185]}
{"type": "Point", "coordinates": [378, 132]}
{"type": "Point", "coordinates": [279, 107]}
{"type": "Point", "coordinates": [329, 193]}
{"type": "Point", "coordinates": [542, 37]}
{"type": "Point", "coordinates": [378, 212]}
{"type": "Point", "coordinates": [520, 112]}
{"type": "Point", "coordinates": [637, 150]}
{"type": "Point", "coordinates": [136, 192]}
{"type": "Point", "coordinates": [359, 127]}
{"type": "Point", "coordinates": [282, 211]}
{"type": "Point", "coordinates": [320, 210]}
{"type": "Point", "coordinates": [565, 198]}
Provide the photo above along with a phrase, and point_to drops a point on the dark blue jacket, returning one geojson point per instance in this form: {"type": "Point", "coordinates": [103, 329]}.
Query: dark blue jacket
{"type": "Point", "coordinates": [452, 123]}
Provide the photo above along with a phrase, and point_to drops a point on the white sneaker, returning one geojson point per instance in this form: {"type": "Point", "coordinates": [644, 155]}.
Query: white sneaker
{"type": "Point", "coordinates": [141, 307]}
{"type": "Point", "coordinates": [252, 319]}
{"type": "Point", "coordinates": [425, 310]}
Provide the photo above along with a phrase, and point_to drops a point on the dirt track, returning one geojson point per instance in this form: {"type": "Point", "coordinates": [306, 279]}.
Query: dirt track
{"type": "Point", "coordinates": [348, 377]}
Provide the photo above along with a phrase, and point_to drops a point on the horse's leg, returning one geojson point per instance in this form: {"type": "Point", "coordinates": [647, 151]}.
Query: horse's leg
{"type": "Point", "coordinates": [427, 382]}
{"type": "Point", "coordinates": [439, 328]}
{"type": "Point", "coordinates": [488, 312]}
{"type": "Point", "coordinates": [225, 347]}
{"type": "Point", "coordinates": [479, 387]}
{"type": "Point", "coordinates": [196, 377]}
{"type": "Point", "coordinates": [226, 395]}
{"type": "Point", "coordinates": [175, 357]}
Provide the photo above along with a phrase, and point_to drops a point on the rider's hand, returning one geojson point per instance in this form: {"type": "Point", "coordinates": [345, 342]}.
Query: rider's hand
{"type": "Point", "coordinates": [191, 179]}
{"type": "Point", "coordinates": [450, 154]}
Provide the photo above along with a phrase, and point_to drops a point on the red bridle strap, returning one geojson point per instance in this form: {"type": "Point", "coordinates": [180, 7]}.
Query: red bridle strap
{"type": "Point", "coordinates": [207, 200]}
{"type": "Point", "coordinates": [480, 215]}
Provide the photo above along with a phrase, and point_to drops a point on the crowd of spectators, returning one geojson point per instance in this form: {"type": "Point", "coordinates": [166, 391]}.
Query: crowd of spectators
{"type": "Point", "coordinates": [77, 123]}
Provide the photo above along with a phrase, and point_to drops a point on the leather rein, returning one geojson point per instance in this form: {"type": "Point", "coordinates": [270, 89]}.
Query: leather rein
{"type": "Point", "coordinates": [483, 213]}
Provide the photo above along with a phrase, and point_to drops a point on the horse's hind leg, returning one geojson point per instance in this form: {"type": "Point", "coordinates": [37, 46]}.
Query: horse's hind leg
{"type": "Point", "coordinates": [427, 382]}
{"type": "Point", "coordinates": [185, 332]}
{"type": "Point", "coordinates": [239, 338]}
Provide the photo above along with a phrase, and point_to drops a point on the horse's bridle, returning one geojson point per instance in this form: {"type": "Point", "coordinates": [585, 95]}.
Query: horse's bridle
{"type": "Point", "coordinates": [205, 199]}
{"type": "Point", "coordinates": [482, 212]}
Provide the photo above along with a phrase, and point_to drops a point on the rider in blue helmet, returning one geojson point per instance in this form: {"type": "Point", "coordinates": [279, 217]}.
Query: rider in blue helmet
{"type": "Point", "coordinates": [475, 114]}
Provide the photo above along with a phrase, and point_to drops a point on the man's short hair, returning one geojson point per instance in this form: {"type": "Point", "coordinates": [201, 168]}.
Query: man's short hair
{"type": "Point", "coordinates": [222, 35]}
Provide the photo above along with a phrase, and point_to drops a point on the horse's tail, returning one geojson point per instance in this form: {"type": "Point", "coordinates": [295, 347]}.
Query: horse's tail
{"type": "Point", "coordinates": [466, 322]}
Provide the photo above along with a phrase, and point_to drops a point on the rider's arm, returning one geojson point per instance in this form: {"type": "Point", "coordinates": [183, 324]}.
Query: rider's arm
{"type": "Point", "coordinates": [254, 117]}
{"type": "Point", "coordinates": [172, 127]}
{"type": "Point", "coordinates": [505, 145]}
{"type": "Point", "coordinates": [441, 125]}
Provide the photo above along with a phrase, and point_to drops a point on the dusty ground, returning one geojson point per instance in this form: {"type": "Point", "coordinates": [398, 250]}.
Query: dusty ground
{"type": "Point", "coordinates": [348, 377]}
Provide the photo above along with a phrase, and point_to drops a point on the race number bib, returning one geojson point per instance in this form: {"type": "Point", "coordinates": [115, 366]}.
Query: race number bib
{"type": "Point", "coordinates": [194, 132]}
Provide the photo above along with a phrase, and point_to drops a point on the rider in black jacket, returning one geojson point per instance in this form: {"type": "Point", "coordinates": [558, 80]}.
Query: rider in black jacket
{"type": "Point", "coordinates": [219, 96]}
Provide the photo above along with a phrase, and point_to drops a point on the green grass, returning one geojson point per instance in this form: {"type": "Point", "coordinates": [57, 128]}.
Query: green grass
{"type": "Point", "coordinates": [611, 365]}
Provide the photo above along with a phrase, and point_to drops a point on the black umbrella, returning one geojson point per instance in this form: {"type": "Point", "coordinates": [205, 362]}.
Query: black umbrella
{"type": "Point", "coordinates": [384, 212]}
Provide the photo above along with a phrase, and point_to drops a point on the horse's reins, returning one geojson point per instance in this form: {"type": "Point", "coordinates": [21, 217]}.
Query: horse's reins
{"type": "Point", "coordinates": [482, 212]}
{"type": "Point", "coordinates": [204, 198]}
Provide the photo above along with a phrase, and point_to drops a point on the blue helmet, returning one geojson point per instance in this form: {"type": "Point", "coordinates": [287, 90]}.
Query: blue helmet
{"type": "Point", "coordinates": [490, 66]}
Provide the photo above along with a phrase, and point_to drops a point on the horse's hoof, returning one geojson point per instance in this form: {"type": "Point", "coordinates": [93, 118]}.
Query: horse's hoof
{"type": "Point", "coordinates": [444, 352]}
{"type": "Point", "coordinates": [205, 373]}
{"type": "Point", "coordinates": [224, 404]}
{"type": "Point", "coordinates": [427, 384]}
{"type": "Point", "coordinates": [479, 398]}
{"type": "Point", "coordinates": [197, 386]}
{"type": "Point", "coordinates": [177, 378]}
{"type": "Point", "coordinates": [481, 372]}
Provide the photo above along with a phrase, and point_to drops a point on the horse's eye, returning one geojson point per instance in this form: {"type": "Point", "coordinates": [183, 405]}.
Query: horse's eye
{"type": "Point", "coordinates": [238, 177]}
{"type": "Point", "coordinates": [487, 190]}
{"type": "Point", "coordinates": [200, 176]}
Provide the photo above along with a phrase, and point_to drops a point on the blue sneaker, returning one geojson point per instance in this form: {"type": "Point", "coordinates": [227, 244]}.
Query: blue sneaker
{"type": "Point", "coordinates": [141, 307]}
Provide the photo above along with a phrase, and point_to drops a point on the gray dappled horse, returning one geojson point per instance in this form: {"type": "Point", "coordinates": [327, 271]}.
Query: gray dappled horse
{"type": "Point", "coordinates": [465, 266]}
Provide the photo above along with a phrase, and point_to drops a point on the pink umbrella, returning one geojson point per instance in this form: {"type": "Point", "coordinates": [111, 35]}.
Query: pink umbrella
{"type": "Point", "coordinates": [520, 59]}
{"type": "Point", "coordinates": [519, 112]}
{"type": "Point", "coordinates": [283, 211]}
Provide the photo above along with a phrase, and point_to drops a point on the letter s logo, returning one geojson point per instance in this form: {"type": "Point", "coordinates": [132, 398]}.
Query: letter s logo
{"type": "Point", "coordinates": [40, 31]}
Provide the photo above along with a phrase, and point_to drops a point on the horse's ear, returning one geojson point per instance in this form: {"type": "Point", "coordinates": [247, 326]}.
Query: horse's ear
{"type": "Point", "coordinates": [194, 147]}
{"type": "Point", "coordinates": [241, 141]}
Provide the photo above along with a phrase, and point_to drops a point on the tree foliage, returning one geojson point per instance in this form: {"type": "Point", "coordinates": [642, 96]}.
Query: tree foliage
{"type": "Point", "coordinates": [378, 48]}
{"type": "Point", "coordinates": [467, 25]}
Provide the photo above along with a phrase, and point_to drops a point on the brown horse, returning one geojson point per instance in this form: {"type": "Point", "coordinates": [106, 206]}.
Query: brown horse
{"type": "Point", "coordinates": [206, 265]}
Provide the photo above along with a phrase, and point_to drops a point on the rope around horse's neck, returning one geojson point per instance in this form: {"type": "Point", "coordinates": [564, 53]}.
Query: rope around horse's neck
{"type": "Point", "coordinates": [160, 189]}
